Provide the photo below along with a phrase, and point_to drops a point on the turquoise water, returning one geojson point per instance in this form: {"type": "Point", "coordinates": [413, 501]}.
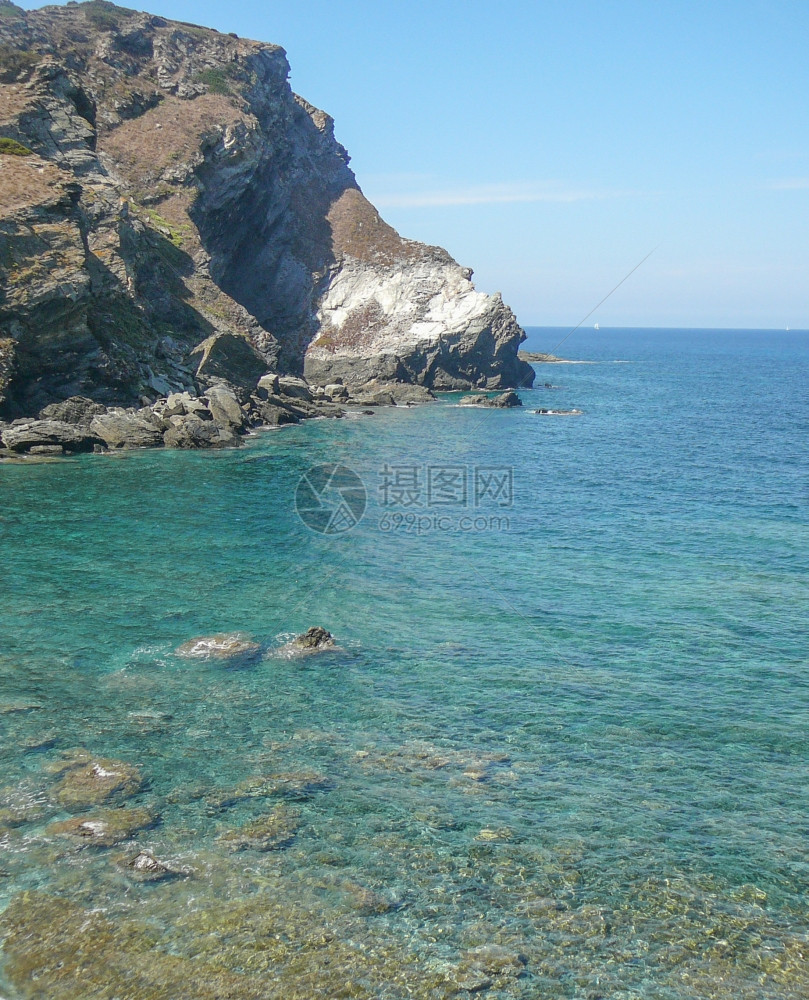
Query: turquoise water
{"type": "Point", "coordinates": [562, 753]}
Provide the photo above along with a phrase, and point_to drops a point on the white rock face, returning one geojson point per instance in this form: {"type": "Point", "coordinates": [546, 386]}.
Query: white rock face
{"type": "Point", "coordinates": [397, 309]}
{"type": "Point", "coordinates": [415, 306]}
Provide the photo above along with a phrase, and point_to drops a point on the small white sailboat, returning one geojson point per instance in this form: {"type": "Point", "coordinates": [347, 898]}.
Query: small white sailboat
{"type": "Point", "coordinates": [596, 326]}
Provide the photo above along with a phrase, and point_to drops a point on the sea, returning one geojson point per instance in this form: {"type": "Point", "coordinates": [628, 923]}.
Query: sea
{"type": "Point", "coordinates": [560, 748]}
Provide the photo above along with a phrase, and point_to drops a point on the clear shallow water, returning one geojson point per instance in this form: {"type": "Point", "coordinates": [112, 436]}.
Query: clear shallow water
{"type": "Point", "coordinates": [561, 755]}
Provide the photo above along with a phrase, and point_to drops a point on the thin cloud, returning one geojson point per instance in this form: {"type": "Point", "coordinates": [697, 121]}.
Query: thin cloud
{"type": "Point", "coordinates": [789, 184]}
{"type": "Point", "coordinates": [491, 194]}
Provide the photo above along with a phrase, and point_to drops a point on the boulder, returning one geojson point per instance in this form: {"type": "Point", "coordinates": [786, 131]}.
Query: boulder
{"type": "Point", "coordinates": [336, 390]}
{"type": "Point", "coordinates": [504, 401]}
{"type": "Point", "coordinates": [376, 397]}
{"type": "Point", "coordinates": [124, 429]}
{"type": "Point", "coordinates": [193, 432]}
{"type": "Point", "coordinates": [225, 408]}
{"type": "Point", "coordinates": [75, 410]}
{"type": "Point", "coordinates": [271, 414]}
{"type": "Point", "coordinates": [314, 638]}
{"type": "Point", "coordinates": [181, 404]}
{"type": "Point", "coordinates": [23, 435]}
{"type": "Point", "coordinates": [230, 357]}
{"type": "Point", "coordinates": [46, 450]}
{"type": "Point", "coordinates": [325, 408]}
{"type": "Point", "coordinates": [291, 385]}
{"type": "Point", "coordinates": [396, 393]}
{"type": "Point", "coordinates": [267, 384]}
{"type": "Point", "coordinates": [298, 408]}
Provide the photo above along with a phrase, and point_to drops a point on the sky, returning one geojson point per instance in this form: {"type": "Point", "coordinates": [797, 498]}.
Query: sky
{"type": "Point", "coordinates": [551, 145]}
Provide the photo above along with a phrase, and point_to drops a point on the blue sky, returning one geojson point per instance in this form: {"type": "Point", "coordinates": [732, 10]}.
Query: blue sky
{"type": "Point", "coordinates": [551, 145]}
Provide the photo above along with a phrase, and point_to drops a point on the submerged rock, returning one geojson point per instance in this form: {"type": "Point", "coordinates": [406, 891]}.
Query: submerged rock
{"type": "Point", "coordinates": [368, 902]}
{"type": "Point", "coordinates": [286, 784]}
{"type": "Point", "coordinates": [105, 828]}
{"type": "Point", "coordinates": [88, 781]}
{"type": "Point", "coordinates": [221, 646]}
{"type": "Point", "coordinates": [145, 867]}
{"type": "Point", "coordinates": [15, 707]}
{"type": "Point", "coordinates": [492, 834]}
{"type": "Point", "coordinates": [272, 832]}
{"type": "Point", "coordinates": [265, 946]}
{"type": "Point", "coordinates": [20, 805]}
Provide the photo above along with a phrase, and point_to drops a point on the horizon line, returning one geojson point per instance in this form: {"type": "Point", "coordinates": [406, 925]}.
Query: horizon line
{"type": "Point", "coordinates": [619, 326]}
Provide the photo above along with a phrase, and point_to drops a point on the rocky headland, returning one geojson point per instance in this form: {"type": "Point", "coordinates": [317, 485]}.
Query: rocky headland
{"type": "Point", "coordinates": [185, 253]}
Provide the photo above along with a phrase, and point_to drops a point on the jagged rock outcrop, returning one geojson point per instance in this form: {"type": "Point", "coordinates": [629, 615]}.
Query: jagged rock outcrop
{"type": "Point", "coordinates": [172, 215]}
{"type": "Point", "coordinates": [505, 401]}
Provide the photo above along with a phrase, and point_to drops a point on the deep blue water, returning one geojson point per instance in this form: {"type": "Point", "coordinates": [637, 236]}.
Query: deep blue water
{"type": "Point", "coordinates": [568, 715]}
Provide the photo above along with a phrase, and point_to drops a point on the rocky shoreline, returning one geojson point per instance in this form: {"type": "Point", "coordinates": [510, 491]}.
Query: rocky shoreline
{"type": "Point", "coordinates": [220, 417]}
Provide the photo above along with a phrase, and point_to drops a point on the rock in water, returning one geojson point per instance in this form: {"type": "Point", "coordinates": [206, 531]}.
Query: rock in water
{"type": "Point", "coordinates": [225, 409]}
{"type": "Point", "coordinates": [25, 435]}
{"type": "Point", "coordinates": [145, 867]}
{"type": "Point", "coordinates": [257, 249]}
{"type": "Point", "coordinates": [222, 646]}
{"type": "Point", "coordinates": [126, 429]}
{"type": "Point", "coordinates": [505, 400]}
{"type": "Point", "coordinates": [88, 781]}
{"type": "Point", "coordinates": [105, 828]}
{"type": "Point", "coordinates": [272, 832]}
{"type": "Point", "coordinates": [314, 638]}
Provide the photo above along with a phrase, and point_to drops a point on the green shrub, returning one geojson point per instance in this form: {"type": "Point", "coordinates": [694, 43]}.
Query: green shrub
{"type": "Point", "coordinates": [215, 80]}
{"type": "Point", "coordinates": [10, 147]}
{"type": "Point", "coordinates": [104, 15]}
{"type": "Point", "coordinates": [10, 12]}
{"type": "Point", "coordinates": [15, 63]}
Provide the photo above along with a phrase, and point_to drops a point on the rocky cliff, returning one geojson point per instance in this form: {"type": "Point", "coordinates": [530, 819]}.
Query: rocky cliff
{"type": "Point", "coordinates": [165, 196]}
